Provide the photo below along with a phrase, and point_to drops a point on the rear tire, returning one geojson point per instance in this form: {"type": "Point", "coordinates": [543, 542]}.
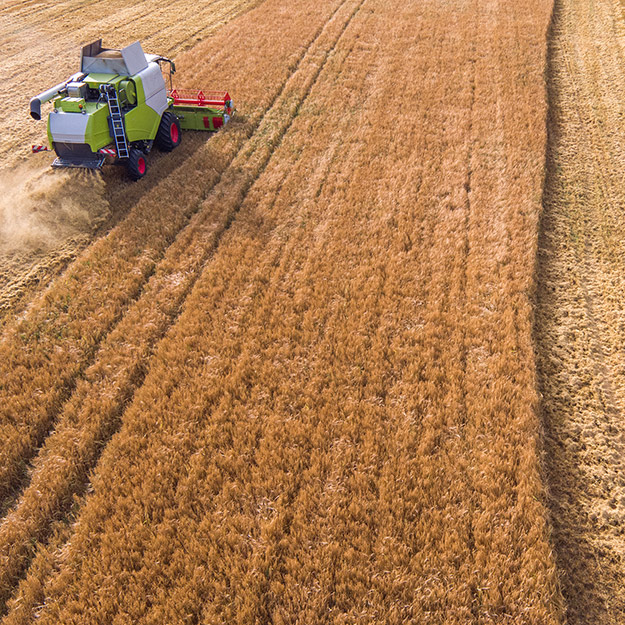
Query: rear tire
{"type": "Point", "coordinates": [136, 164]}
{"type": "Point", "coordinates": [168, 135]}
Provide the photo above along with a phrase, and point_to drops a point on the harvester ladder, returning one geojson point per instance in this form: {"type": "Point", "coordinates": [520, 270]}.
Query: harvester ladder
{"type": "Point", "coordinates": [117, 122]}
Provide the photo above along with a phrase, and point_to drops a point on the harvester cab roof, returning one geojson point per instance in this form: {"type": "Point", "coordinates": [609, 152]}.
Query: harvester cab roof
{"type": "Point", "coordinates": [119, 105]}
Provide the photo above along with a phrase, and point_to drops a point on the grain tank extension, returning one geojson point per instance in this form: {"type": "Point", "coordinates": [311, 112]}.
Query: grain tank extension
{"type": "Point", "coordinates": [118, 105]}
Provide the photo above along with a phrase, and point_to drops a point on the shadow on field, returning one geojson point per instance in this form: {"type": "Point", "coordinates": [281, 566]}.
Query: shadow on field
{"type": "Point", "coordinates": [122, 193]}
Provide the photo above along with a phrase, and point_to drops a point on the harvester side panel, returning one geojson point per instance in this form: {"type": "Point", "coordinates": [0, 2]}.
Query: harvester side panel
{"type": "Point", "coordinates": [151, 88]}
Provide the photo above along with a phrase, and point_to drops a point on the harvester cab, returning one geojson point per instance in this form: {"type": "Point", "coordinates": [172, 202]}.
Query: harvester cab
{"type": "Point", "coordinates": [119, 106]}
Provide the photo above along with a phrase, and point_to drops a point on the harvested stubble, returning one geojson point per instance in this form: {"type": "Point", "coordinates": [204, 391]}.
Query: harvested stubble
{"type": "Point", "coordinates": [42, 355]}
{"type": "Point", "coordinates": [341, 425]}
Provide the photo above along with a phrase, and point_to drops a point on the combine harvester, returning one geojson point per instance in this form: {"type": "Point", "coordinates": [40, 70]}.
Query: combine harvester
{"type": "Point", "coordinates": [119, 106]}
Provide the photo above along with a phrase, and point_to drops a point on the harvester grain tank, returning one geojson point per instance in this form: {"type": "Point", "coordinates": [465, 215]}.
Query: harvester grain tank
{"type": "Point", "coordinates": [118, 105]}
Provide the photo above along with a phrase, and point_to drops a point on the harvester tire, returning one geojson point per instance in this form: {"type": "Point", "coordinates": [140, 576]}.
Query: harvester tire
{"type": "Point", "coordinates": [136, 164]}
{"type": "Point", "coordinates": [168, 135]}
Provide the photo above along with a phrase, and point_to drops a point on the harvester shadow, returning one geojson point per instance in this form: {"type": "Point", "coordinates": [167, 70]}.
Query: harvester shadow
{"type": "Point", "coordinates": [122, 193]}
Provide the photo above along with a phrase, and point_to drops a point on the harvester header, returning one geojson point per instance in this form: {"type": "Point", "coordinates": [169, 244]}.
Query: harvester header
{"type": "Point", "coordinates": [118, 105]}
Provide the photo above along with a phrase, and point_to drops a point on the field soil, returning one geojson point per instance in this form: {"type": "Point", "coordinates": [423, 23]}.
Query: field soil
{"type": "Point", "coordinates": [580, 318]}
{"type": "Point", "coordinates": [294, 378]}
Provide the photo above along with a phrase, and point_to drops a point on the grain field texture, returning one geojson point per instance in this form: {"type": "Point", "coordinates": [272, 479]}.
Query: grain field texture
{"type": "Point", "coordinates": [295, 383]}
{"type": "Point", "coordinates": [580, 317]}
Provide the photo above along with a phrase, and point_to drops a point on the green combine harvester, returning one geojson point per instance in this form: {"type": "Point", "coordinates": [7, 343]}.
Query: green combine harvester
{"type": "Point", "coordinates": [119, 106]}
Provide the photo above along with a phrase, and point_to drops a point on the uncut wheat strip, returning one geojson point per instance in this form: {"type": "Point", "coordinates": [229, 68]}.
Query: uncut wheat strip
{"type": "Point", "coordinates": [443, 267]}
{"type": "Point", "coordinates": [547, 595]}
{"type": "Point", "coordinates": [527, 520]}
{"type": "Point", "coordinates": [510, 529]}
{"type": "Point", "coordinates": [93, 412]}
{"type": "Point", "coordinates": [46, 351]}
{"type": "Point", "coordinates": [403, 563]}
{"type": "Point", "coordinates": [361, 518]}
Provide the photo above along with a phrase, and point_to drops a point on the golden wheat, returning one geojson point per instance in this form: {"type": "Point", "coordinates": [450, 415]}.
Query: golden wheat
{"type": "Point", "coordinates": [44, 353]}
{"type": "Point", "coordinates": [341, 425]}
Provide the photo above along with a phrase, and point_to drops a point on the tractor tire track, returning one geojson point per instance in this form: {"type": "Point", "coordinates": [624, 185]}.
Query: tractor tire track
{"type": "Point", "coordinates": [107, 388]}
{"type": "Point", "coordinates": [580, 308]}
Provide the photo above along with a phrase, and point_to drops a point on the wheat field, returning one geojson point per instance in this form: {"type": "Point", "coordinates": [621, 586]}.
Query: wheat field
{"type": "Point", "coordinates": [300, 372]}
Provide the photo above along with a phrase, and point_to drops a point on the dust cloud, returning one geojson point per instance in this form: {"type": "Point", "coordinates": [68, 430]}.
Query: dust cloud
{"type": "Point", "coordinates": [46, 216]}
{"type": "Point", "coordinates": [40, 208]}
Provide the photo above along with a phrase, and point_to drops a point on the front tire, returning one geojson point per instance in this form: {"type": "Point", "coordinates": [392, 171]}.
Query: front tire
{"type": "Point", "coordinates": [136, 164]}
{"type": "Point", "coordinates": [168, 135]}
